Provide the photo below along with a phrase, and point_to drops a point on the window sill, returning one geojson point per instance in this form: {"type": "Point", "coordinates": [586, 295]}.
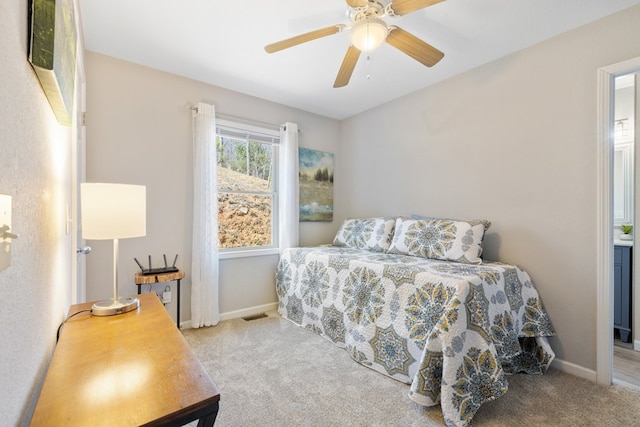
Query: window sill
{"type": "Point", "coordinates": [248, 253]}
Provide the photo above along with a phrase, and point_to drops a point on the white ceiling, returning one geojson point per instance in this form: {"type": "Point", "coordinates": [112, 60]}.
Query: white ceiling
{"type": "Point", "coordinates": [221, 43]}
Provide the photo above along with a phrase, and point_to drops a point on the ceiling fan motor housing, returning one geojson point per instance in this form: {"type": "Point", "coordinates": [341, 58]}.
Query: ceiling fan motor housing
{"type": "Point", "coordinates": [372, 10]}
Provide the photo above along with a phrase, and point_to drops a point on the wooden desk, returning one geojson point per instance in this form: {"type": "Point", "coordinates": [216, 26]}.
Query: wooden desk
{"type": "Point", "coordinates": [132, 369]}
{"type": "Point", "coordinates": [150, 279]}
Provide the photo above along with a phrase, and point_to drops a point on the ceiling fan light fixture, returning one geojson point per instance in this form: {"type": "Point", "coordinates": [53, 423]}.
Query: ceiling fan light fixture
{"type": "Point", "coordinates": [368, 34]}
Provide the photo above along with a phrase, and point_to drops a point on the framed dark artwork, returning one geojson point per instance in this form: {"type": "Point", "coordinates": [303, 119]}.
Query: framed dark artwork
{"type": "Point", "coordinates": [52, 53]}
{"type": "Point", "coordinates": [316, 185]}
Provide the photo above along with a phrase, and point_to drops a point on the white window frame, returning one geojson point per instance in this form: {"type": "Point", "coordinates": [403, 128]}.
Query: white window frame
{"type": "Point", "coordinates": [260, 134]}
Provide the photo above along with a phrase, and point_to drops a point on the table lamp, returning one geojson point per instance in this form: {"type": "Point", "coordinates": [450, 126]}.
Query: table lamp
{"type": "Point", "coordinates": [112, 212]}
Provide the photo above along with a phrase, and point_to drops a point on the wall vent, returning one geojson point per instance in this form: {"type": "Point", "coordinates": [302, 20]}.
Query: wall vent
{"type": "Point", "coordinates": [255, 317]}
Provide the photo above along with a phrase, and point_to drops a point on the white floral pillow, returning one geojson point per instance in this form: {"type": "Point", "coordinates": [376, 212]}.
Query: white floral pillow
{"type": "Point", "coordinates": [485, 222]}
{"type": "Point", "coordinates": [442, 239]}
{"type": "Point", "coordinates": [373, 234]}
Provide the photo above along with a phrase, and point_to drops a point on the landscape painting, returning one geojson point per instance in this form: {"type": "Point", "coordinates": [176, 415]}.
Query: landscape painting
{"type": "Point", "coordinates": [316, 185]}
{"type": "Point", "coordinates": [53, 53]}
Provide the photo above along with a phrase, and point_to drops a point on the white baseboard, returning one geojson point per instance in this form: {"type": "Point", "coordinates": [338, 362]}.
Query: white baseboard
{"type": "Point", "coordinates": [250, 311]}
{"type": "Point", "coordinates": [636, 345]}
{"type": "Point", "coordinates": [573, 369]}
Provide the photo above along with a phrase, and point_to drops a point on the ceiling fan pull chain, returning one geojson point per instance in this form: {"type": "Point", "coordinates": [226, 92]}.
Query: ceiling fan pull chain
{"type": "Point", "coordinates": [368, 55]}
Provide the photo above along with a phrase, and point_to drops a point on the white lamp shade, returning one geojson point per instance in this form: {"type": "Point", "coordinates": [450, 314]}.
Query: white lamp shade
{"type": "Point", "coordinates": [113, 211]}
{"type": "Point", "coordinates": [368, 34]}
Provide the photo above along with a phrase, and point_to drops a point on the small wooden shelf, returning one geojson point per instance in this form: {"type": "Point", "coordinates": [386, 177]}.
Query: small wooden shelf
{"type": "Point", "coordinates": [150, 279]}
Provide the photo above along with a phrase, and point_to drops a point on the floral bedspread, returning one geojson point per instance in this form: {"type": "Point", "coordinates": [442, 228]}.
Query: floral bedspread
{"type": "Point", "coordinates": [451, 330]}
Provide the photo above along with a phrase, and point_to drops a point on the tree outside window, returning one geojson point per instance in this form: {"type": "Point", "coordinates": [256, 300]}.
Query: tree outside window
{"type": "Point", "coordinates": [246, 191]}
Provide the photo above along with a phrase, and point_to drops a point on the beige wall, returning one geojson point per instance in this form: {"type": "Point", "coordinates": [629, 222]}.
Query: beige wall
{"type": "Point", "coordinates": [35, 171]}
{"type": "Point", "coordinates": [513, 141]}
{"type": "Point", "coordinates": [139, 132]}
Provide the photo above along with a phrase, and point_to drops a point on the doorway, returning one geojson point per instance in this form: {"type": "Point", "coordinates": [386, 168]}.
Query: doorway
{"type": "Point", "coordinates": [605, 215]}
{"type": "Point", "coordinates": [626, 360]}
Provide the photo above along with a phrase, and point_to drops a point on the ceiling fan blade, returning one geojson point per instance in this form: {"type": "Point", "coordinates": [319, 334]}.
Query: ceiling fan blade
{"type": "Point", "coordinates": [414, 47]}
{"type": "Point", "coordinates": [346, 69]}
{"type": "Point", "coordinates": [357, 3]}
{"type": "Point", "coordinates": [303, 38]}
{"type": "Point", "coordinates": [402, 7]}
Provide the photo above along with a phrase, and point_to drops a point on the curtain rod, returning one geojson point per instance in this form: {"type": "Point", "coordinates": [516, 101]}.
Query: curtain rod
{"type": "Point", "coordinates": [245, 121]}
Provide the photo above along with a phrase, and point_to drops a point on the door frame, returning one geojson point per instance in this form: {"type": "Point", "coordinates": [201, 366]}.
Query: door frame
{"type": "Point", "coordinates": [78, 171]}
{"type": "Point", "coordinates": [604, 215]}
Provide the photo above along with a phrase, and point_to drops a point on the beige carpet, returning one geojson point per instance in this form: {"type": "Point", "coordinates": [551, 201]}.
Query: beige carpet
{"type": "Point", "coordinates": [271, 372]}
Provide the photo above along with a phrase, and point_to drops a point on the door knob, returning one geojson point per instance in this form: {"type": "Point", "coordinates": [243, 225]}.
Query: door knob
{"type": "Point", "coordinates": [84, 250]}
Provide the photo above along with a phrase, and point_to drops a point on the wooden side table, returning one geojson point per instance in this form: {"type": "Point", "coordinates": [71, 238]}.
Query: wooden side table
{"type": "Point", "coordinates": [150, 279]}
{"type": "Point", "coordinates": [128, 370]}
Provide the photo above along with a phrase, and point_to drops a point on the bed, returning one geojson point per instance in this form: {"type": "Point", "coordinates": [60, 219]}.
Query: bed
{"type": "Point", "coordinates": [413, 300]}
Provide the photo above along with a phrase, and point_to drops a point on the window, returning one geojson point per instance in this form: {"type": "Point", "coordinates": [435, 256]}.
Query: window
{"type": "Point", "coordinates": [247, 182]}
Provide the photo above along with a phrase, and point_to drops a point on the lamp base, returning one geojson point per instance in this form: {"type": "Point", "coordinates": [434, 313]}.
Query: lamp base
{"type": "Point", "coordinates": [111, 307]}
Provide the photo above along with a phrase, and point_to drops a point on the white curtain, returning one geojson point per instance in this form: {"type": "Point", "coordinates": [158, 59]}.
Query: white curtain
{"type": "Point", "coordinates": [288, 189]}
{"type": "Point", "coordinates": [205, 310]}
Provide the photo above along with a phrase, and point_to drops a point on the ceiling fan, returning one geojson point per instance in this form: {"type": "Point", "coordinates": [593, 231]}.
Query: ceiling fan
{"type": "Point", "coordinates": [368, 30]}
